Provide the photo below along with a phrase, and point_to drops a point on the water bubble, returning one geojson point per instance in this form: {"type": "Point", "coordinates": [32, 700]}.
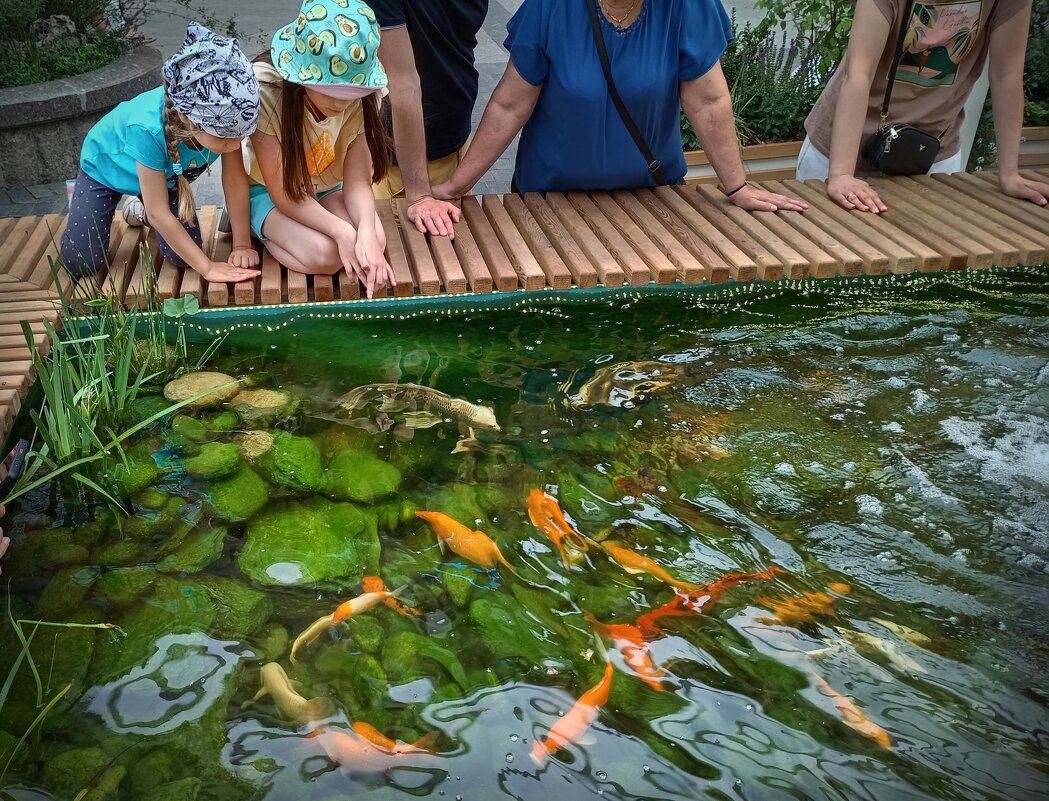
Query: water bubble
{"type": "Point", "coordinates": [646, 768]}
{"type": "Point", "coordinates": [750, 707]}
{"type": "Point", "coordinates": [509, 757]}
{"type": "Point", "coordinates": [514, 738]}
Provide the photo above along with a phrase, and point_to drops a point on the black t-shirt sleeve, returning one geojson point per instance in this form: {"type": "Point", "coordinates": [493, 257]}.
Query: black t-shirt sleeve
{"type": "Point", "coordinates": [388, 13]}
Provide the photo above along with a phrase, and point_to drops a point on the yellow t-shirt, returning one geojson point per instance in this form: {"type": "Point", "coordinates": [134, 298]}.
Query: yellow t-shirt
{"type": "Point", "coordinates": [327, 141]}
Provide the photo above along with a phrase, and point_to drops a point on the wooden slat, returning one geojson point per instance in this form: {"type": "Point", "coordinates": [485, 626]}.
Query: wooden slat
{"type": "Point", "coordinates": [28, 256]}
{"type": "Point", "coordinates": [419, 257]}
{"type": "Point", "coordinates": [11, 400]}
{"type": "Point", "coordinates": [607, 268]}
{"type": "Point", "coordinates": [41, 274]}
{"type": "Point", "coordinates": [686, 266]}
{"type": "Point", "coordinates": [14, 243]}
{"type": "Point", "coordinates": [448, 267]}
{"type": "Point", "coordinates": [269, 283]}
{"type": "Point", "coordinates": [988, 193]}
{"type": "Point", "coordinates": [217, 291]}
{"type": "Point", "coordinates": [854, 226]}
{"type": "Point", "coordinates": [23, 295]}
{"type": "Point", "coordinates": [350, 287]}
{"type": "Point", "coordinates": [529, 273]}
{"type": "Point", "coordinates": [820, 262]}
{"type": "Point", "coordinates": [17, 376]}
{"type": "Point", "coordinates": [757, 240]}
{"type": "Point", "coordinates": [474, 268]}
{"type": "Point", "coordinates": [687, 204]}
{"type": "Point", "coordinates": [323, 288]}
{"type": "Point", "coordinates": [503, 273]}
{"type": "Point", "coordinates": [583, 273]}
{"type": "Point", "coordinates": [41, 343]}
{"type": "Point", "coordinates": [549, 260]}
{"type": "Point", "coordinates": [12, 327]}
{"type": "Point", "coordinates": [935, 224]}
{"type": "Point", "coordinates": [713, 267]}
{"type": "Point", "coordinates": [635, 269]}
{"type": "Point", "coordinates": [661, 270]}
{"type": "Point", "coordinates": [298, 286]}
{"type": "Point", "coordinates": [404, 284]}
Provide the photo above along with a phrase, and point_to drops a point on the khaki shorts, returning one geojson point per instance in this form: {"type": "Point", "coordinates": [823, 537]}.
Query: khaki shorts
{"type": "Point", "coordinates": [440, 170]}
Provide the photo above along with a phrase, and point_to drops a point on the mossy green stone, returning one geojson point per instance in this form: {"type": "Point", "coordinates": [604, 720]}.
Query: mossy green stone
{"type": "Point", "coordinates": [237, 498]}
{"type": "Point", "coordinates": [144, 408]}
{"type": "Point", "coordinates": [93, 532]}
{"type": "Point", "coordinates": [72, 770]}
{"type": "Point", "coordinates": [107, 786]}
{"type": "Point", "coordinates": [367, 634]}
{"type": "Point", "coordinates": [404, 652]}
{"type": "Point", "coordinates": [14, 753]}
{"type": "Point", "coordinates": [458, 582]}
{"type": "Point", "coordinates": [215, 460]}
{"type": "Point", "coordinates": [240, 611]}
{"type": "Point", "coordinates": [507, 630]}
{"type": "Point", "coordinates": [336, 439]}
{"type": "Point", "coordinates": [186, 429]}
{"type": "Point", "coordinates": [151, 498]}
{"type": "Point", "coordinates": [182, 790]}
{"type": "Point", "coordinates": [359, 476]}
{"type": "Point", "coordinates": [272, 642]}
{"type": "Point", "coordinates": [117, 553]}
{"type": "Point", "coordinates": [198, 550]}
{"type": "Point", "coordinates": [66, 591]}
{"type": "Point", "coordinates": [133, 473]}
{"type": "Point", "coordinates": [367, 678]}
{"type": "Point", "coordinates": [310, 543]}
{"type": "Point", "coordinates": [122, 587]}
{"type": "Point", "coordinates": [293, 462]}
{"type": "Point", "coordinates": [223, 421]}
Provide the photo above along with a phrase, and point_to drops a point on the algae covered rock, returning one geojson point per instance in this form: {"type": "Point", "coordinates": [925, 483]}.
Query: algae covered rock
{"type": "Point", "coordinates": [133, 473]}
{"type": "Point", "coordinates": [239, 497]}
{"type": "Point", "coordinates": [507, 630]}
{"type": "Point", "coordinates": [214, 460]}
{"type": "Point", "coordinates": [336, 439]}
{"type": "Point", "coordinates": [223, 421]}
{"type": "Point", "coordinates": [458, 582]}
{"type": "Point", "coordinates": [239, 610]}
{"type": "Point", "coordinates": [182, 790]}
{"type": "Point", "coordinates": [367, 634]}
{"type": "Point", "coordinates": [106, 786]}
{"type": "Point", "coordinates": [66, 591]}
{"type": "Point", "coordinates": [290, 461]}
{"type": "Point", "coordinates": [310, 543]}
{"type": "Point", "coordinates": [359, 476]}
{"type": "Point", "coordinates": [203, 389]}
{"type": "Point", "coordinates": [185, 429]}
{"type": "Point", "coordinates": [14, 753]}
{"type": "Point", "coordinates": [263, 406]}
{"type": "Point", "coordinates": [405, 655]}
{"type": "Point", "coordinates": [145, 408]}
{"type": "Point", "coordinates": [117, 553]}
{"type": "Point", "coordinates": [71, 771]}
{"type": "Point", "coordinates": [44, 551]}
{"type": "Point", "coordinates": [272, 642]}
{"type": "Point", "coordinates": [122, 587]}
{"type": "Point", "coordinates": [198, 550]}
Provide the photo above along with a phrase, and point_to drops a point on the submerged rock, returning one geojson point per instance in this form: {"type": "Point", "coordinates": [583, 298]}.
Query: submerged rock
{"type": "Point", "coordinates": [71, 771]}
{"type": "Point", "coordinates": [507, 630]}
{"type": "Point", "coordinates": [14, 753]}
{"type": "Point", "coordinates": [336, 439]}
{"type": "Point", "coordinates": [133, 473]}
{"type": "Point", "coordinates": [272, 642]}
{"type": "Point", "coordinates": [263, 406]}
{"type": "Point", "coordinates": [239, 497]}
{"type": "Point", "coordinates": [215, 460]}
{"type": "Point", "coordinates": [198, 550]}
{"type": "Point", "coordinates": [289, 461]}
{"type": "Point", "coordinates": [405, 655]}
{"type": "Point", "coordinates": [185, 429]}
{"type": "Point", "coordinates": [310, 543]}
{"type": "Point", "coordinates": [240, 611]}
{"type": "Point", "coordinates": [217, 388]}
{"type": "Point", "coordinates": [223, 421]}
{"type": "Point", "coordinates": [66, 591]}
{"type": "Point", "coordinates": [145, 408]}
{"type": "Point", "coordinates": [117, 553]}
{"type": "Point", "coordinates": [182, 790]}
{"type": "Point", "coordinates": [122, 587]}
{"type": "Point", "coordinates": [359, 476]}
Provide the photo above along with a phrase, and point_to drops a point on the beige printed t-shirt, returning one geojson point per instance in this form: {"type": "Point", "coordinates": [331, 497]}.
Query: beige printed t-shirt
{"type": "Point", "coordinates": [327, 140]}
{"type": "Point", "coordinates": [944, 52]}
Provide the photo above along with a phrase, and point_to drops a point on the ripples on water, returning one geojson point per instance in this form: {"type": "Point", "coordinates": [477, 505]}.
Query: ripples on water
{"type": "Point", "coordinates": [890, 436]}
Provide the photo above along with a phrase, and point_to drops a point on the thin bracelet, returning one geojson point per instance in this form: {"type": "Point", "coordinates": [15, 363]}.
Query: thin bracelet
{"type": "Point", "coordinates": [730, 194]}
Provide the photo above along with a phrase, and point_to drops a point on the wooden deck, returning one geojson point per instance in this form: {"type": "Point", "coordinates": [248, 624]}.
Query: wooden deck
{"type": "Point", "coordinates": [687, 234]}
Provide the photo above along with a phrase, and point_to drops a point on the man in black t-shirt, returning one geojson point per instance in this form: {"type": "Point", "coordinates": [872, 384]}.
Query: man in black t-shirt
{"type": "Point", "coordinates": [428, 51]}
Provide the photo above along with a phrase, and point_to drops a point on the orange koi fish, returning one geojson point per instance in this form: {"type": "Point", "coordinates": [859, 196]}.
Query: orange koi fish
{"type": "Point", "coordinates": [851, 714]}
{"type": "Point", "coordinates": [634, 563]}
{"type": "Point", "coordinates": [367, 749]}
{"type": "Point", "coordinates": [630, 642]}
{"type": "Point", "coordinates": [687, 604]}
{"type": "Point", "coordinates": [362, 603]}
{"type": "Point", "coordinates": [475, 546]}
{"type": "Point", "coordinates": [546, 515]}
{"type": "Point", "coordinates": [580, 717]}
{"type": "Point", "coordinates": [809, 605]}
{"type": "Point", "coordinates": [376, 584]}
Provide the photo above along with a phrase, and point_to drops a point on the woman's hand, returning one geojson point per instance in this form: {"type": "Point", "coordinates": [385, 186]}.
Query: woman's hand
{"type": "Point", "coordinates": [1017, 186]}
{"type": "Point", "coordinates": [751, 198]}
{"type": "Point", "coordinates": [850, 192]}
{"type": "Point", "coordinates": [224, 272]}
{"type": "Point", "coordinates": [375, 272]}
{"type": "Point", "coordinates": [245, 258]}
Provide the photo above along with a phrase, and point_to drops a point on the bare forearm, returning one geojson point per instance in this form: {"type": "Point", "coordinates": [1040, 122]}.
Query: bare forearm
{"type": "Point", "coordinates": [847, 128]}
{"type": "Point", "coordinates": [175, 234]}
{"type": "Point", "coordinates": [360, 205]}
{"type": "Point", "coordinates": [499, 125]}
{"type": "Point", "coordinates": [716, 126]}
{"type": "Point", "coordinates": [1007, 104]}
{"type": "Point", "coordinates": [238, 206]}
{"type": "Point", "coordinates": [311, 213]}
{"type": "Point", "coordinates": [409, 136]}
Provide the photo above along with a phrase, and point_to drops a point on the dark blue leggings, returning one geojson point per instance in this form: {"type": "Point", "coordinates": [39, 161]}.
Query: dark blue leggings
{"type": "Point", "coordinates": [85, 244]}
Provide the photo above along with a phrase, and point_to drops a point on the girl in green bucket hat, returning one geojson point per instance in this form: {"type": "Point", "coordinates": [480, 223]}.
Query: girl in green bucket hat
{"type": "Point", "coordinates": [320, 144]}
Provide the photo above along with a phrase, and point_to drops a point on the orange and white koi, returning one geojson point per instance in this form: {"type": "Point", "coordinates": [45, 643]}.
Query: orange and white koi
{"type": "Point", "coordinates": [574, 724]}
{"type": "Point", "coordinates": [630, 642]}
{"type": "Point", "coordinates": [852, 715]}
{"type": "Point", "coordinates": [807, 606]}
{"type": "Point", "coordinates": [475, 546]}
{"type": "Point", "coordinates": [634, 563]}
{"type": "Point", "coordinates": [355, 606]}
{"type": "Point", "coordinates": [367, 749]}
{"type": "Point", "coordinates": [546, 515]}
{"type": "Point", "coordinates": [376, 584]}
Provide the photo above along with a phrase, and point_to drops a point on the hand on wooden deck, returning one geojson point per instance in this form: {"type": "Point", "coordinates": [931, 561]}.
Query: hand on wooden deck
{"type": "Point", "coordinates": [223, 272]}
{"type": "Point", "coordinates": [369, 265]}
{"type": "Point", "coordinates": [434, 217]}
{"type": "Point", "coordinates": [751, 198]}
{"type": "Point", "coordinates": [1017, 186]}
{"type": "Point", "coordinates": [854, 193]}
{"type": "Point", "coordinates": [246, 258]}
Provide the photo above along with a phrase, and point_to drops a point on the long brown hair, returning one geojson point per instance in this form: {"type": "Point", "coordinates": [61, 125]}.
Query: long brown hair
{"type": "Point", "coordinates": [175, 133]}
{"type": "Point", "coordinates": [297, 182]}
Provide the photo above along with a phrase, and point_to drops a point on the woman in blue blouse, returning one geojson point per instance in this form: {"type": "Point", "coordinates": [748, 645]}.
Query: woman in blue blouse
{"type": "Point", "coordinates": [664, 56]}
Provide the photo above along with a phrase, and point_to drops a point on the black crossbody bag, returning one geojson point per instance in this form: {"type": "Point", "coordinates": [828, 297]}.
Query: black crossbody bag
{"type": "Point", "coordinates": [900, 149]}
{"type": "Point", "coordinates": [654, 166]}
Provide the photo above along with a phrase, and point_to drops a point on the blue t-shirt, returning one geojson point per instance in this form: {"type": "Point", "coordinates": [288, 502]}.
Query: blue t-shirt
{"type": "Point", "coordinates": [133, 134]}
{"type": "Point", "coordinates": [575, 138]}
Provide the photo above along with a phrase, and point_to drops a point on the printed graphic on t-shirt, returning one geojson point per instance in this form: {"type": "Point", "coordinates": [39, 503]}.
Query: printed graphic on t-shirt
{"type": "Point", "coordinates": [940, 35]}
{"type": "Point", "coordinates": [321, 156]}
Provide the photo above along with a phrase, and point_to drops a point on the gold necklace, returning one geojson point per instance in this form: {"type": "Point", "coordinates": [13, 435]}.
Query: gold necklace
{"type": "Point", "coordinates": [618, 21]}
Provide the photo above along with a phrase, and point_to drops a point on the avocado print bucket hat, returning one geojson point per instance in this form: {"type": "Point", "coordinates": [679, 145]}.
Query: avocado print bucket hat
{"type": "Point", "coordinates": [331, 45]}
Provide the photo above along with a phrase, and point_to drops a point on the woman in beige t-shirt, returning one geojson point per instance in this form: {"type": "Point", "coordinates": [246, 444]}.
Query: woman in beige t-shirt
{"type": "Point", "coordinates": [310, 168]}
{"type": "Point", "coordinates": [945, 48]}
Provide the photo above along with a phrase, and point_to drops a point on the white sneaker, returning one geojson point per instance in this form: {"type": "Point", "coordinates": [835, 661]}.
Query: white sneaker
{"type": "Point", "coordinates": [134, 212]}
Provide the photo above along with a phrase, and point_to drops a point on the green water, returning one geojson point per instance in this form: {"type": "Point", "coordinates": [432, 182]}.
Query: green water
{"type": "Point", "coordinates": [885, 445]}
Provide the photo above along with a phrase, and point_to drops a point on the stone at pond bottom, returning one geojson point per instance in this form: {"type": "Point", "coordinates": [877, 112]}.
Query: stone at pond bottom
{"type": "Point", "coordinates": [107, 786]}
{"type": "Point", "coordinates": [182, 790]}
{"type": "Point", "coordinates": [310, 543]}
{"type": "Point", "coordinates": [198, 550]}
{"type": "Point", "coordinates": [145, 408]}
{"type": "Point", "coordinates": [238, 497]}
{"type": "Point", "coordinates": [507, 630]}
{"type": "Point", "coordinates": [71, 771]}
{"type": "Point", "coordinates": [218, 387]}
{"type": "Point", "coordinates": [65, 592]}
{"type": "Point", "coordinates": [18, 759]}
{"type": "Point", "coordinates": [117, 553]}
{"type": "Point", "coordinates": [44, 551]}
{"type": "Point", "coordinates": [215, 460]}
{"type": "Point", "coordinates": [359, 476]}
{"type": "Point", "coordinates": [185, 429]}
{"type": "Point", "coordinates": [240, 611]}
{"type": "Point", "coordinates": [122, 587]}
{"type": "Point", "coordinates": [263, 406]}
{"type": "Point", "coordinates": [133, 473]}
{"type": "Point", "coordinates": [271, 642]}
{"type": "Point", "coordinates": [293, 462]}
{"type": "Point", "coordinates": [403, 655]}
{"type": "Point", "coordinates": [223, 421]}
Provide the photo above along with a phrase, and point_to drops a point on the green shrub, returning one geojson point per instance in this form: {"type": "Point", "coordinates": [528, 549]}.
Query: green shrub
{"type": "Point", "coordinates": [22, 63]}
{"type": "Point", "coordinates": [823, 26]}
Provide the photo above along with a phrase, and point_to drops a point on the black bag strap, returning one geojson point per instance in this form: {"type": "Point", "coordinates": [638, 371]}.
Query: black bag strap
{"type": "Point", "coordinates": [896, 58]}
{"type": "Point", "coordinates": [654, 166]}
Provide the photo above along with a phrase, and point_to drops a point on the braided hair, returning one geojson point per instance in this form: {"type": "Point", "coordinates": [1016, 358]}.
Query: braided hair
{"type": "Point", "coordinates": [174, 134]}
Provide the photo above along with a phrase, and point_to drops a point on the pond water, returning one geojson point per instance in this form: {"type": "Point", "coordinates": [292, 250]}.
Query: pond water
{"type": "Point", "coordinates": [874, 457]}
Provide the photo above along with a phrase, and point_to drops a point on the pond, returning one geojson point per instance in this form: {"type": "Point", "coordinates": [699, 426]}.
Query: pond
{"type": "Point", "coordinates": [807, 527]}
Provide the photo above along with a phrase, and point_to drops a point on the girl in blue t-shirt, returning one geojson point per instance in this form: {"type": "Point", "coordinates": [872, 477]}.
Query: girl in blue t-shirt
{"type": "Point", "coordinates": [152, 146]}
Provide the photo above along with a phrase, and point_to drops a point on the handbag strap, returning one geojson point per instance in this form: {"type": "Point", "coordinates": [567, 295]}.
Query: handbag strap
{"type": "Point", "coordinates": [896, 58]}
{"type": "Point", "coordinates": [654, 165]}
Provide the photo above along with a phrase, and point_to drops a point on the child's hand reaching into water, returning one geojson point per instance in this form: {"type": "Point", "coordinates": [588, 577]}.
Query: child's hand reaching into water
{"type": "Point", "coordinates": [370, 256]}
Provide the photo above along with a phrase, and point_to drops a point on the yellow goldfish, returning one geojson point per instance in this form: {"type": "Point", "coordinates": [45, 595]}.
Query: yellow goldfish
{"type": "Point", "coordinates": [545, 513]}
{"type": "Point", "coordinates": [573, 725]}
{"type": "Point", "coordinates": [475, 546]}
{"type": "Point", "coordinates": [633, 562]}
{"type": "Point", "coordinates": [355, 606]}
{"type": "Point", "coordinates": [851, 714]}
{"type": "Point", "coordinates": [290, 705]}
{"type": "Point", "coordinates": [792, 611]}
